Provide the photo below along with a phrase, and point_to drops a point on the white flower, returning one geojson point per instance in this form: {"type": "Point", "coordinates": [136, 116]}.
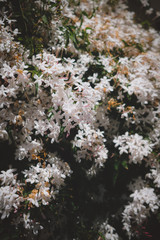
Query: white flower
{"type": "Point", "coordinates": [90, 144]}
{"type": "Point", "coordinates": [30, 224]}
{"type": "Point", "coordinates": [145, 3]}
{"type": "Point", "coordinates": [155, 175]}
{"type": "Point", "coordinates": [135, 145]}
{"type": "Point", "coordinates": [44, 178]}
{"type": "Point", "coordinates": [3, 134]}
{"type": "Point", "coordinates": [7, 177]}
{"type": "Point", "coordinates": [144, 201]}
{"type": "Point", "coordinates": [108, 231]}
{"type": "Point", "coordinates": [149, 11]}
{"type": "Point", "coordinates": [9, 200]}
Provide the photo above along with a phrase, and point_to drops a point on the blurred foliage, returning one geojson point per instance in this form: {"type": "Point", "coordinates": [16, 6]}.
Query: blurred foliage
{"type": "Point", "coordinates": [140, 14]}
{"type": "Point", "coordinates": [33, 20]}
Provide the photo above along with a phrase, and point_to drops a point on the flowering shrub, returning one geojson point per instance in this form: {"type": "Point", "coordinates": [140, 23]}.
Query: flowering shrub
{"type": "Point", "coordinates": [80, 112]}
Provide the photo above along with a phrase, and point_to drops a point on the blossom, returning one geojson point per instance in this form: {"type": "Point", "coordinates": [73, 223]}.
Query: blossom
{"type": "Point", "coordinates": [109, 231]}
{"type": "Point", "coordinates": [30, 223]}
{"type": "Point", "coordinates": [135, 145]}
{"type": "Point", "coordinates": [91, 103]}
{"type": "Point", "coordinates": [155, 175]}
{"type": "Point", "coordinates": [144, 201]}
{"type": "Point", "coordinates": [90, 144]}
{"type": "Point", "coordinates": [44, 177]}
{"type": "Point", "coordinates": [9, 200]}
{"type": "Point", "coordinates": [7, 177]}
{"type": "Point", "coordinates": [145, 3]}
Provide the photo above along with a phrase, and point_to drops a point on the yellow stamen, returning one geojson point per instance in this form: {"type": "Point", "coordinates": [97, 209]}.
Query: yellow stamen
{"type": "Point", "coordinates": [20, 71]}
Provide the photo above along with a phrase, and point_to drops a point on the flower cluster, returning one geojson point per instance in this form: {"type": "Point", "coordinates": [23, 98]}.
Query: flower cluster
{"type": "Point", "coordinates": [135, 145]}
{"type": "Point", "coordinates": [144, 202]}
{"type": "Point", "coordinates": [47, 177]}
{"type": "Point", "coordinates": [90, 145]}
{"type": "Point", "coordinates": [10, 197]}
{"type": "Point", "coordinates": [89, 101]}
{"type": "Point", "coordinates": [108, 231]}
{"type": "Point", "coordinates": [155, 175]}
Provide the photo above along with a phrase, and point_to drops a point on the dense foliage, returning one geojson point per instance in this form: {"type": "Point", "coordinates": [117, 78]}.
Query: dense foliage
{"type": "Point", "coordinates": [79, 121]}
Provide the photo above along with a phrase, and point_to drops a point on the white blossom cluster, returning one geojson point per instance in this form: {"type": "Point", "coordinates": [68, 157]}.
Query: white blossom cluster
{"type": "Point", "coordinates": [9, 197]}
{"type": "Point", "coordinates": [155, 175]}
{"type": "Point", "coordinates": [107, 102]}
{"type": "Point", "coordinates": [109, 232]}
{"type": "Point", "coordinates": [47, 177]}
{"type": "Point", "coordinates": [144, 201]}
{"type": "Point", "coordinates": [135, 145]}
{"type": "Point", "coordinates": [30, 224]}
{"type": "Point", "coordinates": [3, 133]}
{"type": "Point", "coordinates": [90, 144]}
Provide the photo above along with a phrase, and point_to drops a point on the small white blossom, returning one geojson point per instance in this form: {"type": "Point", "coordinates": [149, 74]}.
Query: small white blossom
{"type": "Point", "coordinates": [108, 231]}
{"type": "Point", "coordinates": [134, 145]}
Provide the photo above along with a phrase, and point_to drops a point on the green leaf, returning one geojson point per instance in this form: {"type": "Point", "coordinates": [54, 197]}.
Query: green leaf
{"type": "Point", "coordinates": [125, 43]}
{"type": "Point", "coordinates": [44, 19]}
{"type": "Point", "coordinates": [80, 24]}
{"type": "Point", "coordinates": [36, 89]}
{"type": "Point", "coordinates": [101, 235]}
{"type": "Point", "coordinates": [50, 115]}
{"type": "Point", "coordinates": [124, 164]}
{"type": "Point", "coordinates": [88, 28]}
{"type": "Point", "coordinates": [115, 176]}
{"type": "Point", "coordinates": [139, 47]}
{"type": "Point", "coordinates": [67, 38]}
{"type": "Point", "coordinates": [116, 165]}
{"type": "Point", "coordinates": [86, 14]}
{"type": "Point", "coordinates": [50, 109]}
{"type": "Point", "coordinates": [146, 24]}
